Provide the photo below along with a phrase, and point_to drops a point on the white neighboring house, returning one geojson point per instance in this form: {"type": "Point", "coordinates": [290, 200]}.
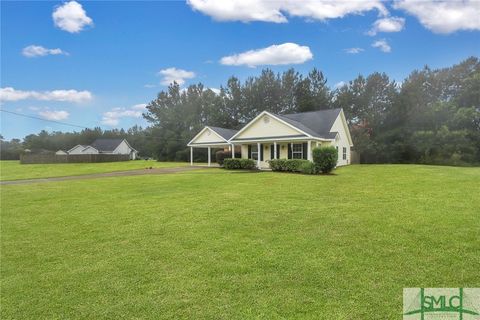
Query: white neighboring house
{"type": "Point", "coordinates": [106, 146]}
{"type": "Point", "coordinates": [82, 149]}
{"type": "Point", "coordinates": [289, 136]}
{"type": "Point", "coordinates": [61, 153]}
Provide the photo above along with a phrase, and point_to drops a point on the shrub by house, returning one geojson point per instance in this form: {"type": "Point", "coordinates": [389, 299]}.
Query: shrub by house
{"type": "Point", "coordinates": [325, 159]}
{"type": "Point", "coordinates": [232, 164]}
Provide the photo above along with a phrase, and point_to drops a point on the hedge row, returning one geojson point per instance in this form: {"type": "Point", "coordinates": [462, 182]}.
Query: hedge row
{"type": "Point", "coordinates": [290, 165]}
{"type": "Point", "coordinates": [232, 164]}
{"type": "Point", "coordinates": [324, 161]}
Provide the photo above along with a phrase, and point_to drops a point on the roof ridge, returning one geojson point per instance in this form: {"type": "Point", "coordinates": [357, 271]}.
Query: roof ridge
{"type": "Point", "coordinates": [310, 111]}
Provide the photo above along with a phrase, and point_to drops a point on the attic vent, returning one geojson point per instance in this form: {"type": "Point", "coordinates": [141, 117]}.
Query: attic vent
{"type": "Point", "coordinates": [208, 132]}
{"type": "Point", "coordinates": [266, 119]}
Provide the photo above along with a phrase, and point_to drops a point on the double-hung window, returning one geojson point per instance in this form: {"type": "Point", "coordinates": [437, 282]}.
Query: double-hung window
{"type": "Point", "coordinates": [297, 151]}
{"type": "Point", "coordinates": [344, 153]}
{"type": "Point", "coordinates": [254, 152]}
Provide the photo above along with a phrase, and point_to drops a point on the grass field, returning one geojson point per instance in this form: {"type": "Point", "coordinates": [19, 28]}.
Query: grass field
{"type": "Point", "coordinates": [13, 170]}
{"type": "Point", "coordinates": [229, 245]}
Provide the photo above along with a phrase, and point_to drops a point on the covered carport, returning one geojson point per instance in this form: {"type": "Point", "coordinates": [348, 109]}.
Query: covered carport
{"type": "Point", "coordinates": [209, 138]}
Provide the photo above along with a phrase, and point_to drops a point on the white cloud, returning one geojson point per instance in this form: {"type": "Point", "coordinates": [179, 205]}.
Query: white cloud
{"type": "Point", "coordinates": [140, 106]}
{"type": "Point", "coordinates": [354, 50]}
{"type": "Point", "coordinates": [148, 85]}
{"type": "Point", "coordinates": [287, 53]}
{"type": "Point", "coordinates": [39, 51]}
{"type": "Point", "coordinates": [382, 45]}
{"type": "Point", "coordinates": [173, 74]}
{"type": "Point", "coordinates": [277, 11]}
{"type": "Point", "coordinates": [339, 84]}
{"type": "Point", "coordinates": [11, 94]}
{"type": "Point", "coordinates": [71, 17]}
{"type": "Point", "coordinates": [444, 16]}
{"type": "Point", "coordinates": [112, 118]}
{"type": "Point", "coordinates": [54, 115]}
{"type": "Point", "coordinates": [389, 24]}
{"type": "Point", "coordinates": [215, 90]}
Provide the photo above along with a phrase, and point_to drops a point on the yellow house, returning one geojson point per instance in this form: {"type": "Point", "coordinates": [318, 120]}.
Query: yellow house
{"type": "Point", "coordinates": [289, 136]}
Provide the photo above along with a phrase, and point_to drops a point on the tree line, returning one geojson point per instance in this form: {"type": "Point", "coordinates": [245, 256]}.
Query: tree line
{"type": "Point", "coordinates": [432, 117]}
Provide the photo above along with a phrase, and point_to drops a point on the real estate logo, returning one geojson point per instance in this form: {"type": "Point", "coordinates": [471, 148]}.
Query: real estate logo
{"type": "Point", "coordinates": [441, 303]}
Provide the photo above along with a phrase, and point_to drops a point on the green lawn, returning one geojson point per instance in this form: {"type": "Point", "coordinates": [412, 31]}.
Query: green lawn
{"type": "Point", "coordinates": [229, 245]}
{"type": "Point", "coordinates": [13, 170]}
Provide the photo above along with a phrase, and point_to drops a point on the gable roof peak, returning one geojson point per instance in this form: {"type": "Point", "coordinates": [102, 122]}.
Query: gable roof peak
{"type": "Point", "coordinates": [107, 144]}
{"type": "Point", "coordinates": [225, 133]}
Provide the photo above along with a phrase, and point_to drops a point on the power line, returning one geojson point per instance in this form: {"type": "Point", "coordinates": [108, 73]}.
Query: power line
{"type": "Point", "coordinates": [42, 119]}
{"type": "Point", "coordinates": [83, 127]}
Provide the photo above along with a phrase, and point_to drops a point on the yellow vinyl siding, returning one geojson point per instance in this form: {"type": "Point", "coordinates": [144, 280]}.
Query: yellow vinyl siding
{"type": "Point", "coordinates": [267, 126]}
{"type": "Point", "coordinates": [208, 136]}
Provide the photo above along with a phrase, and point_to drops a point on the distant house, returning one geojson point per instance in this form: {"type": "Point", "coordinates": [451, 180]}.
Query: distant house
{"type": "Point", "coordinates": [83, 149]}
{"type": "Point", "coordinates": [273, 136]}
{"type": "Point", "coordinates": [61, 153]}
{"type": "Point", "coordinates": [106, 146]}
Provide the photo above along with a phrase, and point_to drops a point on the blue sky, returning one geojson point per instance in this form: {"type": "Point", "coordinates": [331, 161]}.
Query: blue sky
{"type": "Point", "coordinates": [97, 63]}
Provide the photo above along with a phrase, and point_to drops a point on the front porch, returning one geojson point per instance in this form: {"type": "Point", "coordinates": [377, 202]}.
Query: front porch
{"type": "Point", "coordinates": [263, 151]}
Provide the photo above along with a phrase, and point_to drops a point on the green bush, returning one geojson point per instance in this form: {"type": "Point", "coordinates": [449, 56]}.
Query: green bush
{"type": "Point", "coordinates": [290, 165]}
{"type": "Point", "coordinates": [221, 155]}
{"type": "Point", "coordinates": [276, 164]}
{"type": "Point", "coordinates": [232, 164]}
{"type": "Point", "coordinates": [308, 168]}
{"type": "Point", "coordinates": [247, 164]}
{"type": "Point", "coordinates": [325, 159]}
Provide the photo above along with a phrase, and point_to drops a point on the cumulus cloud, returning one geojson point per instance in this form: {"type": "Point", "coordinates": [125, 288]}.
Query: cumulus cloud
{"type": "Point", "coordinates": [11, 94]}
{"type": "Point", "coordinates": [39, 51]}
{"type": "Point", "coordinates": [112, 118]}
{"type": "Point", "coordinates": [54, 115]}
{"type": "Point", "coordinates": [441, 16]}
{"type": "Point", "coordinates": [170, 75]}
{"type": "Point", "coordinates": [287, 53]}
{"type": "Point", "coordinates": [71, 17]}
{"type": "Point", "coordinates": [339, 84]}
{"type": "Point", "coordinates": [354, 50]}
{"type": "Point", "coordinates": [389, 24]}
{"type": "Point", "coordinates": [277, 11]}
{"type": "Point", "coordinates": [382, 45]}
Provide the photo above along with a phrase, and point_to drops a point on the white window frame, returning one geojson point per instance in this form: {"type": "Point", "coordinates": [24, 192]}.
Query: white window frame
{"type": "Point", "coordinates": [254, 152]}
{"type": "Point", "coordinates": [344, 153]}
{"type": "Point", "coordinates": [297, 152]}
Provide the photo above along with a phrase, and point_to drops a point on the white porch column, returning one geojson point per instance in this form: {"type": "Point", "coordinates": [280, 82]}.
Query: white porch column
{"type": "Point", "coordinates": [233, 151]}
{"type": "Point", "coordinates": [275, 150]}
{"type": "Point", "coordinates": [291, 150]}
{"type": "Point", "coordinates": [309, 150]}
{"type": "Point", "coordinates": [191, 156]}
{"type": "Point", "coordinates": [209, 157]}
{"type": "Point", "coordinates": [258, 155]}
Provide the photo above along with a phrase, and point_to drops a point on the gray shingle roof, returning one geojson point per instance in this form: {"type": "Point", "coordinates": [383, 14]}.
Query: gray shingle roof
{"type": "Point", "coordinates": [315, 123]}
{"type": "Point", "coordinates": [225, 133]}
{"type": "Point", "coordinates": [106, 145]}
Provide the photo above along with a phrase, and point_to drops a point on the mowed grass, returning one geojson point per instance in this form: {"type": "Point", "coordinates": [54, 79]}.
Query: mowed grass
{"type": "Point", "coordinates": [229, 245]}
{"type": "Point", "coordinates": [13, 170]}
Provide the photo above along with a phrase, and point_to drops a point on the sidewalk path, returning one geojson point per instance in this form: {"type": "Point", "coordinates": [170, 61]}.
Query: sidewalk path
{"type": "Point", "coordinates": [106, 175]}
